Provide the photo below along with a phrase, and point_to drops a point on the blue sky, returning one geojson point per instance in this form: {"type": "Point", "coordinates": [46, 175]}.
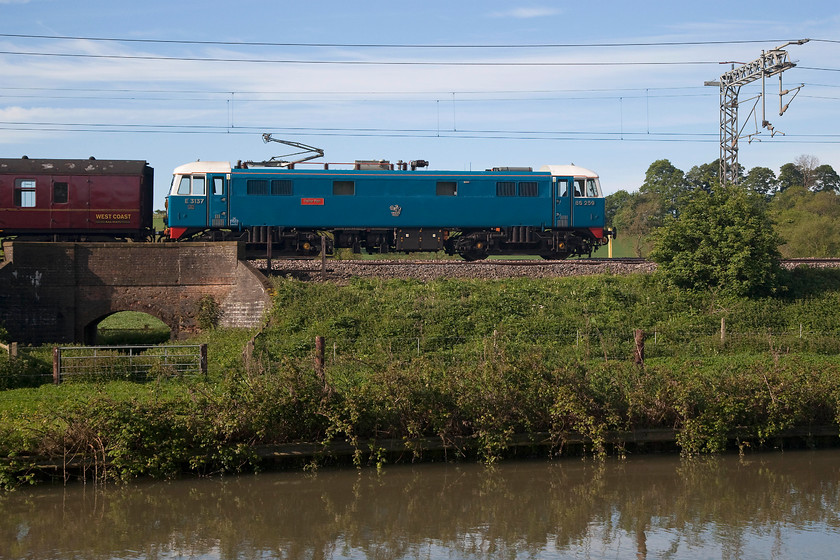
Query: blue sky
{"type": "Point", "coordinates": [463, 84]}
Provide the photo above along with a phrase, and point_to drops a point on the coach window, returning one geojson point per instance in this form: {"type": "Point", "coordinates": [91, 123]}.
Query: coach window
{"type": "Point", "coordinates": [60, 193]}
{"type": "Point", "coordinates": [25, 193]}
{"type": "Point", "coordinates": [447, 188]}
{"type": "Point", "coordinates": [344, 188]}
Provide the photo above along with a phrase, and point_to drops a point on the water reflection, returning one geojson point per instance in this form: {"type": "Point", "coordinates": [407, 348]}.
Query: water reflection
{"type": "Point", "coordinates": [769, 506]}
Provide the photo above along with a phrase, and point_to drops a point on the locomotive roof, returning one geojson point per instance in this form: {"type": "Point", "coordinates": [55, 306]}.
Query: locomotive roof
{"type": "Point", "coordinates": [224, 167]}
{"type": "Point", "coordinates": [203, 167]}
{"type": "Point", "coordinates": [569, 171]}
{"type": "Point", "coordinates": [73, 166]}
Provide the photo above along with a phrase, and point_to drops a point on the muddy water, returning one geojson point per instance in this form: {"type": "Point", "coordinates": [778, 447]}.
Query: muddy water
{"type": "Point", "coordinates": [778, 505]}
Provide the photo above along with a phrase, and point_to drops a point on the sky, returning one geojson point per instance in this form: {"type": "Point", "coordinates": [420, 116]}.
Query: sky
{"type": "Point", "coordinates": [466, 85]}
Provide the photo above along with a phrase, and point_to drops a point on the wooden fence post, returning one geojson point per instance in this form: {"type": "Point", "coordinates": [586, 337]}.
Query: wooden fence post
{"type": "Point", "coordinates": [639, 351]}
{"type": "Point", "coordinates": [202, 360]}
{"type": "Point", "coordinates": [56, 365]}
{"type": "Point", "coordinates": [13, 349]}
{"type": "Point", "coordinates": [319, 358]}
{"type": "Point", "coordinates": [722, 330]}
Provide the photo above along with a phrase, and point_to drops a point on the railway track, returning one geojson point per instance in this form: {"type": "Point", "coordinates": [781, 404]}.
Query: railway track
{"type": "Point", "coordinates": [343, 270]}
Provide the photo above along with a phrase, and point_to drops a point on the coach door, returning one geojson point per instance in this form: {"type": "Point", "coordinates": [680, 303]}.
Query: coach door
{"type": "Point", "coordinates": [562, 202]}
{"type": "Point", "coordinates": [61, 216]}
{"type": "Point", "coordinates": [217, 195]}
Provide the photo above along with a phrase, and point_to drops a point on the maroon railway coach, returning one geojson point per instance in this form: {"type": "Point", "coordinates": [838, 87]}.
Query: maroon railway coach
{"type": "Point", "coordinates": [76, 199]}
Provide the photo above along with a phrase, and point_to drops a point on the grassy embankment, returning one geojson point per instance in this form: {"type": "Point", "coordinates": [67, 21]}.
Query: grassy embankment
{"type": "Point", "coordinates": [472, 364]}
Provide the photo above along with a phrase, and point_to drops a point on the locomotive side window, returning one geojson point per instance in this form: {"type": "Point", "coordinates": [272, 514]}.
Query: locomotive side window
{"type": "Point", "coordinates": [529, 188]}
{"type": "Point", "coordinates": [447, 188]}
{"type": "Point", "coordinates": [579, 187]}
{"type": "Point", "coordinates": [344, 188]}
{"type": "Point", "coordinates": [505, 188]}
{"type": "Point", "coordinates": [60, 193]}
{"type": "Point", "coordinates": [282, 187]}
{"type": "Point", "coordinates": [218, 186]}
{"type": "Point", "coordinates": [25, 193]}
{"type": "Point", "coordinates": [563, 188]}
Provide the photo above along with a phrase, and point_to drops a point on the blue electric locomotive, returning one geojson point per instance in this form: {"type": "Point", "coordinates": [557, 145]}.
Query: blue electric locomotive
{"type": "Point", "coordinates": [381, 207]}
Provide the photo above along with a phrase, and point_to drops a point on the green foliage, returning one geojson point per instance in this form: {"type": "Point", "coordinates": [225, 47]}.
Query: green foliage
{"type": "Point", "coordinates": [720, 241]}
{"type": "Point", "coordinates": [208, 313]}
{"type": "Point", "coordinates": [762, 181]}
{"type": "Point", "coordinates": [477, 365]}
{"type": "Point", "coordinates": [790, 176]}
{"type": "Point", "coordinates": [807, 222]}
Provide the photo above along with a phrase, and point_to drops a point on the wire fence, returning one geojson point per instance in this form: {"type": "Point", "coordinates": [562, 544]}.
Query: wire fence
{"type": "Point", "coordinates": [131, 362]}
{"type": "Point", "coordinates": [189, 362]}
{"type": "Point", "coordinates": [609, 344]}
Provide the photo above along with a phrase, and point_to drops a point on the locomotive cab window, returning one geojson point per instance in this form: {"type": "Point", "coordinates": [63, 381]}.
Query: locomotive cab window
{"type": "Point", "coordinates": [192, 184]}
{"type": "Point", "coordinates": [25, 193]}
{"type": "Point", "coordinates": [198, 185]}
{"type": "Point", "coordinates": [218, 186]}
{"type": "Point", "coordinates": [184, 185]}
{"type": "Point", "coordinates": [579, 187]}
{"type": "Point", "coordinates": [344, 188]}
{"type": "Point", "coordinates": [592, 188]}
{"type": "Point", "coordinates": [447, 188]}
{"type": "Point", "coordinates": [60, 193]}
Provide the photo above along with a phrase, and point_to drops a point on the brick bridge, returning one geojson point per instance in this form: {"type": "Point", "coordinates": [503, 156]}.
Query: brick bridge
{"type": "Point", "coordinates": [59, 292]}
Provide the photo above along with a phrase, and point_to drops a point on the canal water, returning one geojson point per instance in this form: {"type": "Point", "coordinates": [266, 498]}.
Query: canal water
{"type": "Point", "coordinates": [773, 505]}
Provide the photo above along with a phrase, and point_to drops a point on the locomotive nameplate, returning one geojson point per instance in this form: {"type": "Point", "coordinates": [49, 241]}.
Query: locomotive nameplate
{"type": "Point", "coordinates": [311, 201]}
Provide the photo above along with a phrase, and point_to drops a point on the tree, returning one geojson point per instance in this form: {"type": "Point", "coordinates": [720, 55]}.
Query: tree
{"type": "Point", "coordinates": [665, 184]}
{"type": "Point", "coordinates": [826, 179]}
{"type": "Point", "coordinates": [807, 222]}
{"type": "Point", "coordinates": [613, 203]}
{"type": "Point", "coordinates": [790, 176]}
{"type": "Point", "coordinates": [703, 176]}
{"type": "Point", "coordinates": [636, 219]}
{"type": "Point", "coordinates": [807, 166]}
{"type": "Point", "coordinates": [720, 240]}
{"type": "Point", "coordinates": [762, 181]}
